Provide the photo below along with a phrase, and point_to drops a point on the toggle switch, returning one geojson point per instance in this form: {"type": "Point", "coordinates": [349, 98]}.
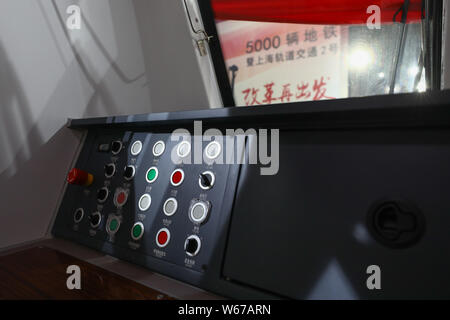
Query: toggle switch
{"type": "Point", "coordinates": [80, 177]}
{"type": "Point", "coordinates": [206, 180]}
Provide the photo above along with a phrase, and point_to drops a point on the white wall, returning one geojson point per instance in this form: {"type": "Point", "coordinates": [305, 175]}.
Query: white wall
{"type": "Point", "coordinates": [129, 57]}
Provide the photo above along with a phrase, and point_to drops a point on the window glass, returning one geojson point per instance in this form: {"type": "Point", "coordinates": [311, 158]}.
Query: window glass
{"type": "Point", "coordinates": [273, 62]}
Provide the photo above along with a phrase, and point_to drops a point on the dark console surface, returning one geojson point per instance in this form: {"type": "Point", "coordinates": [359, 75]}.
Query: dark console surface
{"type": "Point", "coordinates": [358, 184]}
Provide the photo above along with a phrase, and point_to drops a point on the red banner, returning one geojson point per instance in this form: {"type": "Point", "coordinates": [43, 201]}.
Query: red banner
{"type": "Point", "coordinates": [312, 11]}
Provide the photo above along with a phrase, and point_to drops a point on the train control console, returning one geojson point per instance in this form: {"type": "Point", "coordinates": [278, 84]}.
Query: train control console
{"type": "Point", "coordinates": [297, 201]}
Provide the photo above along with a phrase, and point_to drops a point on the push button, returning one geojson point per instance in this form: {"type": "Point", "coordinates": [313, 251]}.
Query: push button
{"type": "Point", "coordinates": [170, 207]}
{"type": "Point", "coordinates": [137, 231]}
{"type": "Point", "coordinates": [113, 225]}
{"type": "Point", "coordinates": [116, 147]}
{"type": "Point", "coordinates": [199, 212]}
{"type": "Point", "coordinates": [102, 195]}
{"type": "Point", "coordinates": [136, 148]}
{"type": "Point", "coordinates": [183, 149]}
{"type": "Point", "coordinates": [145, 202]}
{"type": "Point", "coordinates": [110, 170]}
{"type": "Point", "coordinates": [163, 238]}
{"type": "Point", "coordinates": [120, 197]}
{"type": "Point", "coordinates": [96, 219]}
{"type": "Point", "coordinates": [152, 175]}
{"type": "Point", "coordinates": [129, 172]}
{"type": "Point", "coordinates": [177, 177]}
{"type": "Point", "coordinates": [213, 150]}
{"type": "Point", "coordinates": [192, 246]}
{"type": "Point", "coordinates": [159, 148]}
{"type": "Point", "coordinates": [78, 216]}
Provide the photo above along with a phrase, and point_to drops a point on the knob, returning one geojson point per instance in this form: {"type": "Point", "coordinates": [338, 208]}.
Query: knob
{"type": "Point", "coordinates": [206, 180]}
{"type": "Point", "coordinates": [80, 177]}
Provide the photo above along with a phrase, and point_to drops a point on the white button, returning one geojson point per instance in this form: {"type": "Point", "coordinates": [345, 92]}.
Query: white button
{"type": "Point", "coordinates": [183, 149]}
{"type": "Point", "coordinates": [213, 150]}
{"type": "Point", "coordinates": [145, 202]}
{"type": "Point", "coordinates": [199, 212]}
{"type": "Point", "coordinates": [170, 206]}
{"type": "Point", "coordinates": [158, 148]}
{"type": "Point", "coordinates": [136, 148]}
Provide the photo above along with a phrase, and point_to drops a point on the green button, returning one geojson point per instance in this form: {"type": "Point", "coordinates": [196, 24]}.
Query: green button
{"type": "Point", "coordinates": [137, 231]}
{"type": "Point", "coordinates": [113, 225]}
{"type": "Point", "coordinates": [152, 175]}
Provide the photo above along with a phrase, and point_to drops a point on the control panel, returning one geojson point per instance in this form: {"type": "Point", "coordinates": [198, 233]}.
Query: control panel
{"type": "Point", "coordinates": [142, 194]}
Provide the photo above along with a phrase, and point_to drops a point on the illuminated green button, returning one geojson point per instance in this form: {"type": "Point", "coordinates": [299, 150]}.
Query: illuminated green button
{"type": "Point", "coordinates": [137, 231]}
{"type": "Point", "coordinates": [152, 175]}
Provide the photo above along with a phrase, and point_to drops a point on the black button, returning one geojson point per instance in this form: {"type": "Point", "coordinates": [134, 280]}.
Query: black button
{"type": "Point", "coordinates": [102, 194]}
{"type": "Point", "coordinates": [129, 172]}
{"type": "Point", "coordinates": [78, 215]}
{"type": "Point", "coordinates": [116, 146]}
{"type": "Point", "coordinates": [192, 246]}
{"type": "Point", "coordinates": [110, 169]}
{"type": "Point", "coordinates": [95, 219]}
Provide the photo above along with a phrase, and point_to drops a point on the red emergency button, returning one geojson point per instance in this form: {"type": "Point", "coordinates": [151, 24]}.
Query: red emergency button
{"type": "Point", "coordinates": [80, 177]}
{"type": "Point", "coordinates": [177, 177]}
{"type": "Point", "coordinates": [120, 197]}
{"type": "Point", "coordinates": [163, 237]}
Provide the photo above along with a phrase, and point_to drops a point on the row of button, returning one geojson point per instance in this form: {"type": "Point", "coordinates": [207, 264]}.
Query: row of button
{"type": "Point", "coordinates": [212, 150]}
{"type": "Point", "coordinates": [192, 244]}
{"type": "Point", "coordinates": [120, 196]}
{"type": "Point", "coordinates": [176, 178]}
{"type": "Point", "coordinates": [128, 172]}
{"type": "Point", "coordinates": [198, 212]}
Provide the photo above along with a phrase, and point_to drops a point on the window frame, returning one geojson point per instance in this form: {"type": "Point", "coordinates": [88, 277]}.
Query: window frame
{"type": "Point", "coordinates": [433, 58]}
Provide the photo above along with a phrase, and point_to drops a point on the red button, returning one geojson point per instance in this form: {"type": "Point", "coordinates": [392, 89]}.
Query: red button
{"type": "Point", "coordinates": [80, 177]}
{"type": "Point", "coordinates": [177, 177]}
{"type": "Point", "coordinates": [163, 237]}
{"type": "Point", "coordinates": [120, 198]}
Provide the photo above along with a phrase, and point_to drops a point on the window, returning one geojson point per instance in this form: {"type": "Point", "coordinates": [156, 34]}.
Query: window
{"type": "Point", "coordinates": [296, 50]}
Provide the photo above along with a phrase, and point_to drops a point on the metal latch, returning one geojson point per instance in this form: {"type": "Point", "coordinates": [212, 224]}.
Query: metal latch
{"type": "Point", "coordinates": [201, 44]}
{"type": "Point", "coordinates": [205, 38]}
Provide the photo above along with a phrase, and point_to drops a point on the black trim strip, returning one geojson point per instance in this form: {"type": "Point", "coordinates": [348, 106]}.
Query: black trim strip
{"type": "Point", "coordinates": [220, 68]}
